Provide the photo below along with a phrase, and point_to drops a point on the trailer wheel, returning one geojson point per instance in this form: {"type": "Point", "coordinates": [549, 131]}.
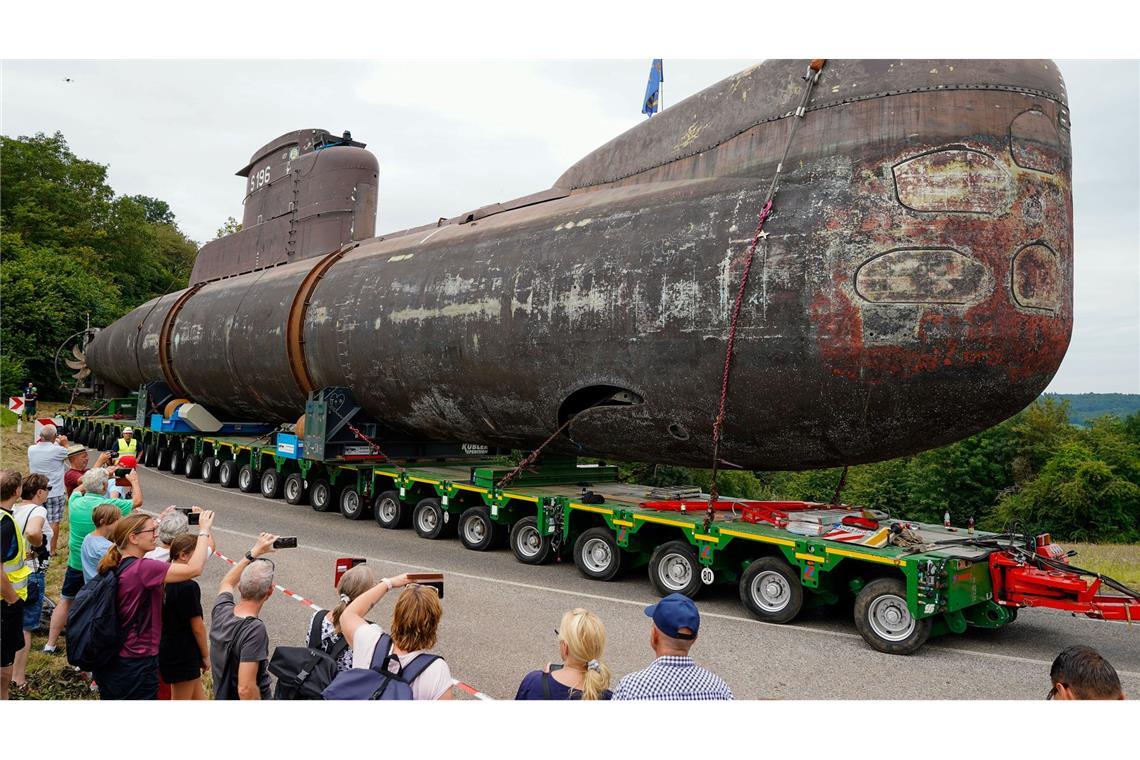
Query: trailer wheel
{"type": "Point", "coordinates": [389, 511]}
{"type": "Point", "coordinates": [771, 590]}
{"type": "Point", "coordinates": [150, 455]}
{"type": "Point", "coordinates": [882, 617]}
{"type": "Point", "coordinates": [162, 462]}
{"type": "Point", "coordinates": [247, 479]}
{"type": "Point", "coordinates": [322, 495]}
{"type": "Point", "coordinates": [673, 569]}
{"type": "Point", "coordinates": [530, 546]}
{"type": "Point", "coordinates": [209, 471]}
{"type": "Point", "coordinates": [177, 458]}
{"type": "Point", "coordinates": [227, 473]}
{"type": "Point", "coordinates": [295, 491]}
{"type": "Point", "coordinates": [476, 529]}
{"type": "Point", "coordinates": [597, 554]}
{"type": "Point", "coordinates": [193, 467]}
{"type": "Point", "coordinates": [352, 505]}
{"type": "Point", "coordinates": [430, 520]}
{"type": "Point", "coordinates": [271, 484]}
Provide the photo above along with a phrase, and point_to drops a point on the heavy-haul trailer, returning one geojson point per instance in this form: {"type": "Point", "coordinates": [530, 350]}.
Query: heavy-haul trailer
{"type": "Point", "coordinates": [783, 557]}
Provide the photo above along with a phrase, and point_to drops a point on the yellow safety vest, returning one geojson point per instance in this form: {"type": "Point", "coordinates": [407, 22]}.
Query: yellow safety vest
{"type": "Point", "coordinates": [16, 569]}
{"type": "Point", "coordinates": [128, 449]}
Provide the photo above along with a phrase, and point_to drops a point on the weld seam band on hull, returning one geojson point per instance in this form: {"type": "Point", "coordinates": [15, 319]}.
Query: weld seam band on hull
{"type": "Point", "coordinates": [165, 360]}
{"type": "Point", "coordinates": [295, 327]}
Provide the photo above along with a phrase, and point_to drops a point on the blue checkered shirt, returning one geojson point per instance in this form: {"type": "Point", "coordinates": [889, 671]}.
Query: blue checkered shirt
{"type": "Point", "coordinates": [673, 678]}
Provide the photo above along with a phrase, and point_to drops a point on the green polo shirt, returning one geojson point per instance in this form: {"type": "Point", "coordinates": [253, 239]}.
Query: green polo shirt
{"type": "Point", "coordinates": [79, 511]}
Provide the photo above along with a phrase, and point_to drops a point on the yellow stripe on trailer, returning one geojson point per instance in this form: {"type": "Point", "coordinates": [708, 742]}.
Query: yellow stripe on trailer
{"type": "Point", "coordinates": [476, 489]}
{"type": "Point", "coordinates": [868, 557]}
{"type": "Point", "coordinates": [387, 474]}
{"type": "Point", "coordinates": [755, 537]}
{"type": "Point", "coordinates": [623, 523]}
{"type": "Point", "coordinates": [520, 497]}
{"type": "Point", "coordinates": [811, 557]}
{"type": "Point", "coordinates": [424, 480]}
{"type": "Point", "coordinates": [599, 510]}
{"type": "Point", "coordinates": [662, 521]}
{"type": "Point", "coordinates": [703, 537]}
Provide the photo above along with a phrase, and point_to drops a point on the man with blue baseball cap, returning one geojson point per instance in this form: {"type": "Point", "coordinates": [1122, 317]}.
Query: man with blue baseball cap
{"type": "Point", "coordinates": [673, 675]}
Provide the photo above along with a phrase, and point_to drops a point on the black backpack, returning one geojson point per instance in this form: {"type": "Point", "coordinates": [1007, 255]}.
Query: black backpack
{"type": "Point", "coordinates": [94, 637]}
{"type": "Point", "coordinates": [304, 672]}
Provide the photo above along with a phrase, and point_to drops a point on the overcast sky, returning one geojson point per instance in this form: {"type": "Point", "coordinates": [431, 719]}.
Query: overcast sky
{"type": "Point", "coordinates": [453, 136]}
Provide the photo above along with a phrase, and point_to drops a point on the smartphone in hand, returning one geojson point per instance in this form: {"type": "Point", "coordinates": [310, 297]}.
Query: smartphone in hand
{"type": "Point", "coordinates": [285, 542]}
{"type": "Point", "coordinates": [435, 580]}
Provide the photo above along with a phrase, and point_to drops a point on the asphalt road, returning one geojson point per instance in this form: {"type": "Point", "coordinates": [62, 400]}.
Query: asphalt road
{"type": "Point", "coordinates": [499, 615]}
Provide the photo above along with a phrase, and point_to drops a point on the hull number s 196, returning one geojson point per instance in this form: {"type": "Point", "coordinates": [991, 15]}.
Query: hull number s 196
{"type": "Point", "coordinates": [261, 179]}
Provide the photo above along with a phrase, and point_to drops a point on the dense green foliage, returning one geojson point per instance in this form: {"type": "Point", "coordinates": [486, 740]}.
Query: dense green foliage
{"type": "Point", "coordinates": [72, 248]}
{"type": "Point", "coordinates": [1085, 407]}
{"type": "Point", "coordinates": [1036, 469]}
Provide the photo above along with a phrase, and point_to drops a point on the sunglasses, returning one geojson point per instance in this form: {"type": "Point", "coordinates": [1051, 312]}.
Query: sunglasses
{"type": "Point", "coordinates": [148, 530]}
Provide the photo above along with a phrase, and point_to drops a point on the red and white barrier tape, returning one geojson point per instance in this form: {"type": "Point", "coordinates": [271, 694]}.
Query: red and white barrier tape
{"type": "Point", "coordinates": [454, 682]}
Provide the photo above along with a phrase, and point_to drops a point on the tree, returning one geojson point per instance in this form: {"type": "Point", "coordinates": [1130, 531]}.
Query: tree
{"type": "Point", "coordinates": [71, 247]}
{"type": "Point", "coordinates": [229, 227]}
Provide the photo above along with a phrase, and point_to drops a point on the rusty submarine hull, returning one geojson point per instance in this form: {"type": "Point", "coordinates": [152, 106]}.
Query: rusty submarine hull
{"type": "Point", "coordinates": [914, 285]}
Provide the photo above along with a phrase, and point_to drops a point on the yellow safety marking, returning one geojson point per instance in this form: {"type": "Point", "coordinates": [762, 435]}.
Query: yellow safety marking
{"type": "Point", "coordinates": [811, 557]}
{"type": "Point", "coordinates": [868, 557]}
{"type": "Point", "coordinates": [424, 480]}
{"type": "Point", "coordinates": [701, 537]}
{"type": "Point", "coordinates": [520, 496]}
{"type": "Point", "coordinates": [599, 510]}
{"type": "Point", "coordinates": [663, 521]}
{"type": "Point", "coordinates": [387, 474]}
{"type": "Point", "coordinates": [878, 539]}
{"type": "Point", "coordinates": [476, 489]}
{"type": "Point", "coordinates": [623, 523]}
{"type": "Point", "coordinates": [755, 537]}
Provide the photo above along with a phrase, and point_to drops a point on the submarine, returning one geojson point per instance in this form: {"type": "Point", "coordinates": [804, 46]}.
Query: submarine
{"type": "Point", "coordinates": [913, 286]}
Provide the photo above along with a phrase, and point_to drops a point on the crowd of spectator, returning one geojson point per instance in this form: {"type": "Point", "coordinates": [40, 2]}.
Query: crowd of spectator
{"type": "Point", "coordinates": [165, 645]}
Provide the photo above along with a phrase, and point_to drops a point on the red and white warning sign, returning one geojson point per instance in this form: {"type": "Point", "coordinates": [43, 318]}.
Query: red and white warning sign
{"type": "Point", "coordinates": [42, 421]}
{"type": "Point", "coordinates": [16, 404]}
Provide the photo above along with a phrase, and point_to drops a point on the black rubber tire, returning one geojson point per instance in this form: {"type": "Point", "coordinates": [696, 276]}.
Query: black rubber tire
{"type": "Point", "coordinates": [323, 496]}
{"type": "Point", "coordinates": [431, 520]}
{"type": "Point", "coordinates": [477, 531]}
{"type": "Point", "coordinates": [885, 597]}
{"type": "Point", "coordinates": [150, 455]}
{"type": "Point", "coordinates": [771, 590]}
{"type": "Point", "coordinates": [390, 511]}
{"type": "Point", "coordinates": [294, 490]}
{"type": "Point", "coordinates": [177, 459]}
{"type": "Point", "coordinates": [271, 484]}
{"type": "Point", "coordinates": [193, 467]}
{"type": "Point", "coordinates": [353, 506]}
{"type": "Point", "coordinates": [248, 480]}
{"type": "Point", "coordinates": [673, 569]}
{"type": "Point", "coordinates": [528, 546]}
{"type": "Point", "coordinates": [597, 555]}
{"type": "Point", "coordinates": [227, 473]}
{"type": "Point", "coordinates": [162, 462]}
{"type": "Point", "coordinates": [209, 470]}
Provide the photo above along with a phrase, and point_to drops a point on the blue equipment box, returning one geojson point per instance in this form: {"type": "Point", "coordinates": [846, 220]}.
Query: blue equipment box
{"type": "Point", "coordinates": [289, 446]}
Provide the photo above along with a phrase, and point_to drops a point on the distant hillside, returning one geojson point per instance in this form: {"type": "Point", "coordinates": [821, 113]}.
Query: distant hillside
{"type": "Point", "coordinates": [1085, 406]}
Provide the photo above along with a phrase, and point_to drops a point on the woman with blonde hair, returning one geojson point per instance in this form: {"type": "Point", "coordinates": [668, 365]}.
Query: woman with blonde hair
{"type": "Point", "coordinates": [133, 673]}
{"type": "Point", "coordinates": [415, 625]}
{"type": "Point", "coordinates": [352, 584]}
{"type": "Point", "coordinates": [581, 643]}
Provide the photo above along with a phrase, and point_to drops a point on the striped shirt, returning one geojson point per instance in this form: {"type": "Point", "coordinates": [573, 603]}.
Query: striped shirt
{"type": "Point", "coordinates": [673, 678]}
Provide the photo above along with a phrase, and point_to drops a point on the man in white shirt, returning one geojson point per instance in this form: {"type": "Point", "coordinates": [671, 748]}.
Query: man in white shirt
{"type": "Point", "coordinates": [48, 456]}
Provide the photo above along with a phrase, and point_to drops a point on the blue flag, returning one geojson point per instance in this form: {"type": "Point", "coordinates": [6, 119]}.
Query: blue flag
{"type": "Point", "coordinates": [653, 89]}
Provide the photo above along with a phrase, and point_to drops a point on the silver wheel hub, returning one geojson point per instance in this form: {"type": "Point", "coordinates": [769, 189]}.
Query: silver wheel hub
{"type": "Point", "coordinates": [675, 572]}
{"type": "Point", "coordinates": [292, 488]}
{"type": "Point", "coordinates": [529, 542]}
{"type": "Point", "coordinates": [771, 591]}
{"type": "Point", "coordinates": [475, 530]}
{"type": "Point", "coordinates": [890, 619]}
{"type": "Point", "coordinates": [596, 555]}
{"type": "Point", "coordinates": [388, 510]}
{"type": "Point", "coordinates": [351, 501]}
{"type": "Point", "coordinates": [428, 519]}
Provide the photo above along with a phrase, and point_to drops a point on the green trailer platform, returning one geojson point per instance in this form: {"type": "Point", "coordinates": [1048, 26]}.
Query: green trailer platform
{"type": "Point", "coordinates": [901, 596]}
